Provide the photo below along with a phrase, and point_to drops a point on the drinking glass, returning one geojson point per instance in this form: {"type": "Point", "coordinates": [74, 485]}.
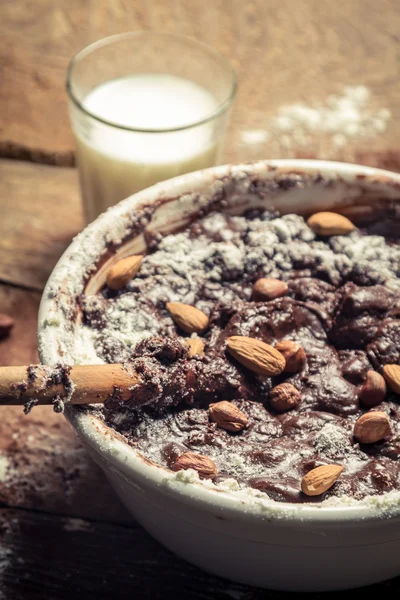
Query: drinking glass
{"type": "Point", "coordinates": [144, 107]}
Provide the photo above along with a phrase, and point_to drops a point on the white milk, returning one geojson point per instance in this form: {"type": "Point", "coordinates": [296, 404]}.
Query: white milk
{"type": "Point", "coordinates": [114, 163]}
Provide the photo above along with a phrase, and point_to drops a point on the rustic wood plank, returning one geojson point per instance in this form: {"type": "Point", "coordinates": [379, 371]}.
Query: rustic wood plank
{"type": "Point", "coordinates": [38, 41]}
{"type": "Point", "coordinates": [20, 347]}
{"type": "Point", "coordinates": [43, 466]}
{"type": "Point", "coordinates": [47, 26]}
{"type": "Point", "coordinates": [43, 556]}
{"type": "Point", "coordinates": [297, 51]}
{"type": "Point", "coordinates": [32, 96]}
{"type": "Point", "coordinates": [41, 212]}
{"type": "Point", "coordinates": [95, 560]}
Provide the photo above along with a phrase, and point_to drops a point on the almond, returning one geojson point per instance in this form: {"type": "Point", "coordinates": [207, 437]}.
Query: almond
{"type": "Point", "coordinates": [227, 416]}
{"type": "Point", "coordinates": [319, 480]}
{"type": "Point", "coordinates": [205, 467]}
{"type": "Point", "coordinates": [374, 390]}
{"type": "Point", "coordinates": [268, 289]}
{"type": "Point", "coordinates": [372, 427]}
{"type": "Point", "coordinates": [196, 346]}
{"type": "Point", "coordinates": [284, 397]}
{"type": "Point", "coordinates": [330, 223]}
{"type": "Point", "coordinates": [294, 354]}
{"type": "Point", "coordinates": [123, 271]}
{"type": "Point", "coordinates": [255, 355]}
{"type": "Point", "coordinates": [392, 375]}
{"type": "Point", "coordinates": [6, 324]}
{"type": "Point", "coordinates": [188, 318]}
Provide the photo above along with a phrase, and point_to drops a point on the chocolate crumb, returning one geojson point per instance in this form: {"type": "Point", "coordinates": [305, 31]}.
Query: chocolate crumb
{"type": "Point", "coordinates": [29, 405]}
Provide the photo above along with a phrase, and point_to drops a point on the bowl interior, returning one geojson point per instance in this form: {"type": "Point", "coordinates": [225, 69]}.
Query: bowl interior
{"type": "Point", "coordinates": [298, 186]}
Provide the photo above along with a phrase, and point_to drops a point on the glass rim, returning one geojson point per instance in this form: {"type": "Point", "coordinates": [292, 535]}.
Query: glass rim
{"type": "Point", "coordinates": [219, 110]}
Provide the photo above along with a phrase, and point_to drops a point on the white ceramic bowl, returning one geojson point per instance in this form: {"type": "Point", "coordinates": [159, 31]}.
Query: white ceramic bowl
{"type": "Point", "coordinates": [241, 536]}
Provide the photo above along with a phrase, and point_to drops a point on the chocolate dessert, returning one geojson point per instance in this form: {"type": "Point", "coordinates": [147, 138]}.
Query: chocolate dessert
{"type": "Point", "coordinates": [269, 348]}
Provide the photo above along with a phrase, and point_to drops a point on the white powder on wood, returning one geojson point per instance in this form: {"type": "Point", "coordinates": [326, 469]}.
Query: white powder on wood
{"type": "Point", "coordinates": [328, 126]}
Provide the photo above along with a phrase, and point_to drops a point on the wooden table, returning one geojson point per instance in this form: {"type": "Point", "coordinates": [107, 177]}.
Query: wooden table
{"type": "Point", "coordinates": [63, 532]}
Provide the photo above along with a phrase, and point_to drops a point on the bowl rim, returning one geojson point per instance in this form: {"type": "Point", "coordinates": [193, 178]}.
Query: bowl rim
{"type": "Point", "coordinates": [118, 455]}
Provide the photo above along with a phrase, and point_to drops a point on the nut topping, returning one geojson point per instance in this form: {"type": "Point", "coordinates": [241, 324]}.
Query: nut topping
{"type": "Point", "coordinates": [6, 324]}
{"type": "Point", "coordinates": [187, 317]}
{"type": "Point", "coordinates": [284, 397]}
{"type": "Point", "coordinates": [319, 480]}
{"type": "Point", "coordinates": [255, 355]}
{"type": "Point", "coordinates": [268, 289]}
{"type": "Point", "coordinates": [294, 355]}
{"type": "Point", "coordinates": [374, 390]}
{"type": "Point", "coordinates": [227, 416]}
{"type": "Point", "coordinates": [330, 223]}
{"type": "Point", "coordinates": [392, 375]}
{"type": "Point", "coordinates": [196, 346]}
{"type": "Point", "coordinates": [123, 271]}
{"type": "Point", "coordinates": [205, 467]}
{"type": "Point", "coordinates": [372, 427]}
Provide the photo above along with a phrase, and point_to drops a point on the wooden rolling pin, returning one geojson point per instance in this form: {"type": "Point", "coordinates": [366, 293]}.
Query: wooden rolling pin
{"type": "Point", "coordinates": [83, 384]}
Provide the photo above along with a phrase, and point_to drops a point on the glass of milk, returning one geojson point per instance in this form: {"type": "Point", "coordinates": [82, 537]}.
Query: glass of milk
{"type": "Point", "coordinates": [145, 107]}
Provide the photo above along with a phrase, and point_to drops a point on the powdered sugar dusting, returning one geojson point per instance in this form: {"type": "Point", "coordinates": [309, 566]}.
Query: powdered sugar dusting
{"type": "Point", "coordinates": [331, 442]}
{"type": "Point", "coordinates": [200, 267]}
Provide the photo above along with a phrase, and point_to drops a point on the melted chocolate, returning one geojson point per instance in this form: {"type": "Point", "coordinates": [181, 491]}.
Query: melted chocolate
{"type": "Point", "coordinates": [342, 308]}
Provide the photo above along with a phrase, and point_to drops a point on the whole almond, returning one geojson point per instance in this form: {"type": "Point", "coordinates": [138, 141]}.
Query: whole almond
{"type": "Point", "coordinates": [255, 355]}
{"type": "Point", "coordinates": [6, 324]}
{"type": "Point", "coordinates": [123, 271]}
{"type": "Point", "coordinates": [391, 374]}
{"type": "Point", "coordinates": [330, 223]}
{"type": "Point", "coordinates": [268, 289]}
{"type": "Point", "coordinates": [187, 317]}
{"type": "Point", "coordinates": [294, 354]}
{"type": "Point", "coordinates": [319, 480]}
{"type": "Point", "coordinates": [374, 390]}
{"type": "Point", "coordinates": [196, 346]}
{"type": "Point", "coordinates": [205, 467]}
{"type": "Point", "coordinates": [372, 427]}
{"type": "Point", "coordinates": [284, 397]}
{"type": "Point", "coordinates": [227, 416]}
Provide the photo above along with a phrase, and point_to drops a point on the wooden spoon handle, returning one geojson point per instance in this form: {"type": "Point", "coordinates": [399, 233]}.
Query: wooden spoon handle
{"type": "Point", "coordinates": [82, 384]}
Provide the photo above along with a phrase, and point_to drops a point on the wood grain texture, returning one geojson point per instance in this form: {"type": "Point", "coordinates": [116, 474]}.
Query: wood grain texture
{"type": "Point", "coordinates": [45, 468]}
{"type": "Point", "coordinates": [52, 558]}
{"type": "Point", "coordinates": [284, 51]}
{"type": "Point", "coordinates": [41, 212]}
{"type": "Point", "coordinates": [44, 557]}
{"type": "Point", "coordinates": [21, 344]}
